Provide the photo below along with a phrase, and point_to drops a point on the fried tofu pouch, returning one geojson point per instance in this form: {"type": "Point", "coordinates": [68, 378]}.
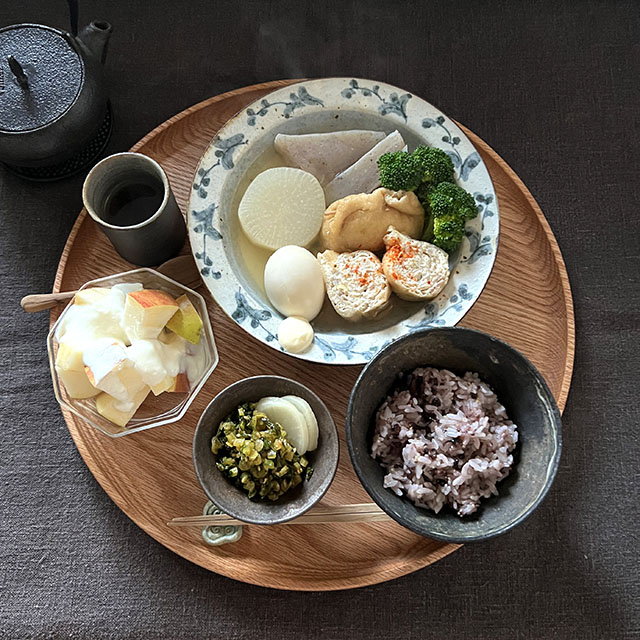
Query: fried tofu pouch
{"type": "Point", "coordinates": [360, 221]}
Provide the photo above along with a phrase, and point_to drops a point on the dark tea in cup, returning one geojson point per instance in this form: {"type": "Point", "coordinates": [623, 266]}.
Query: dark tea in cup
{"type": "Point", "coordinates": [134, 201]}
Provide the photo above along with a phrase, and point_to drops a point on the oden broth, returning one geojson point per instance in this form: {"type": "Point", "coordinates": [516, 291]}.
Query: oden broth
{"type": "Point", "coordinates": [255, 258]}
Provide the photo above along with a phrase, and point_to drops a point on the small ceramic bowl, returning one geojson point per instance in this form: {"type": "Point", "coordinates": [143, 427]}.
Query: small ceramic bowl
{"type": "Point", "coordinates": [155, 410]}
{"type": "Point", "coordinates": [518, 386]}
{"type": "Point", "coordinates": [232, 500]}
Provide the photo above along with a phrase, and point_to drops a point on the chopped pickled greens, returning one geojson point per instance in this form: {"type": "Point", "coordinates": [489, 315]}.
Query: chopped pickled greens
{"type": "Point", "coordinates": [254, 454]}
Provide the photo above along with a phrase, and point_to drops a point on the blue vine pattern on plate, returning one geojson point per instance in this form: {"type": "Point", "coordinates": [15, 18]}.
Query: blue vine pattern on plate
{"type": "Point", "coordinates": [296, 101]}
{"type": "Point", "coordinates": [224, 153]}
{"type": "Point", "coordinates": [466, 166]}
{"type": "Point", "coordinates": [204, 220]}
{"type": "Point", "coordinates": [244, 311]}
{"type": "Point", "coordinates": [482, 202]}
{"type": "Point", "coordinates": [462, 294]}
{"type": "Point", "coordinates": [395, 103]}
{"type": "Point", "coordinates": [431, 318]}
{"type": "Point", "coordinates": [435, 317]}
{"type": "Point", "coordinates": [348, 348]}
{"type": "Point", "coordinates": [479, 245]}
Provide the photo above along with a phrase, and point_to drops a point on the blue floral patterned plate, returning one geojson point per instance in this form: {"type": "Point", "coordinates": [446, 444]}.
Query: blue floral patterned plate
{"type": "Point", "coordinates": [232, 268]}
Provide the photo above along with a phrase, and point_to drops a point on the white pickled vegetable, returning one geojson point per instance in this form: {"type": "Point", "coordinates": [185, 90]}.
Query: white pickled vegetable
{"type": "Point", "coordinates": [289, 418]}
{"type": "Point", "coordinates": [312, 424]}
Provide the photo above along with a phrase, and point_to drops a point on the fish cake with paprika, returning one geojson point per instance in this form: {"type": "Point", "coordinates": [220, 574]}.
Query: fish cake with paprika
{"type": "Point", "coordinates": [356, 286]}
{"type": "Point", "coordinates": [416, 270]}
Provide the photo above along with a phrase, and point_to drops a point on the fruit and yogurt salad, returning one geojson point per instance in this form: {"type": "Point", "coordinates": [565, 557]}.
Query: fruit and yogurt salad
{"type": "Point", "coordinates": [120, 344]}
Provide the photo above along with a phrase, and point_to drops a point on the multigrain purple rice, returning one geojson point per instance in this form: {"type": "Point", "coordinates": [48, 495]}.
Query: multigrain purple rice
{"type": "Point", "coordinates": [443, 440]}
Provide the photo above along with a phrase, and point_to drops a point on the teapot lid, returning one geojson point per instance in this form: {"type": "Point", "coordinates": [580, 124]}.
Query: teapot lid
{"type": "Point", "coordinates": [54, 74]}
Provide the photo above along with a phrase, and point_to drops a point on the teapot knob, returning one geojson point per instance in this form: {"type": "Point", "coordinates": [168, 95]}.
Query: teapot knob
{"type": "Point", "coordinates": [18, 72]}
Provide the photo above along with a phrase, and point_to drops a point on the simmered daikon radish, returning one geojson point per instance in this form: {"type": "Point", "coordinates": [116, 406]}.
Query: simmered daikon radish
{"type": "Point", "coordinates": [282, 206]}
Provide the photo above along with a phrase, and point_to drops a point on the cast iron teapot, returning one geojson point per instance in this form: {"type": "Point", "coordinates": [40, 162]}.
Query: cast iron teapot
{"type": "Point", "coordinates": [53, 97]}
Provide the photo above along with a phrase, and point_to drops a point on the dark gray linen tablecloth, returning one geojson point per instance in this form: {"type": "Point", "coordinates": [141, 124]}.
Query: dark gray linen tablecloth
{"type": "Point", "coordinates": [554, 88]}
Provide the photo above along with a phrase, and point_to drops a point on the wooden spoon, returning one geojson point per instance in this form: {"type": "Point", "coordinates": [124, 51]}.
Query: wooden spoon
{"type": "Point", "coordinates": [181, 269]}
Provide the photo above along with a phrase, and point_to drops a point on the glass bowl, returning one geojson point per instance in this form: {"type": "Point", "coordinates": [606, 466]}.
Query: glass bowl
{"type": "Point", "coordinates": [155, 411]}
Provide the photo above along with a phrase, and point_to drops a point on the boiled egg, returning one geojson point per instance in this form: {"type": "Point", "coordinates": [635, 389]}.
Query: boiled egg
{"type": "Point", "coordinates": [293, 282]}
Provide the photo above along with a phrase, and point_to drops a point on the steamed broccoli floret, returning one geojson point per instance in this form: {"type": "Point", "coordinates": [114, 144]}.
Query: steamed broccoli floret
{"type": "Point", "coordinates": [427, 230]}
{"type": "Point", "coordinates": [422, 192]}
{"type": "Point", "coordinates": [449, 207]}
{"type": "Point", "coordinates": [400, 171]}
{"type": "Point", "coordinates": [448, 232]}
{"type": "Point", "coordinates": [437, 166]}
{"type": "Point", "coordinates": [429, 172]}
{"type": "Point", "coordinates": [448, 198]}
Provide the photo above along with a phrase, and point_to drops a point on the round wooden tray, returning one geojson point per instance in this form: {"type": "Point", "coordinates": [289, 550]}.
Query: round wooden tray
{"type": "Point", "coordinates": [150, 476]}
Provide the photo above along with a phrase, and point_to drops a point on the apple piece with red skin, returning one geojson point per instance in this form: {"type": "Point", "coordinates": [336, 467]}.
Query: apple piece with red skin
{"type": "Point", "coordinates": [172, 384]}
{"type": "Point", "coordinates": [146, 313]}
{"type": "Point", "coordinates": [162, 386]}
{"type": "Point", "coordinates": [92, 295]}
{"type": "Point", "coordinates": [180, 384]}
{"type": "Point", "coordinates": [110, 370]}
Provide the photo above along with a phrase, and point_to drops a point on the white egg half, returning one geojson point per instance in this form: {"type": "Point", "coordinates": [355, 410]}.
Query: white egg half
{"type": "Point", "coordinates": [293, 282]}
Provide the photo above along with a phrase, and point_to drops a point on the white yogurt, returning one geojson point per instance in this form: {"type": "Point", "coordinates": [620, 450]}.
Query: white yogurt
{"type": "Point", "coordinates": [155, 360]}
{"type": "Point", "coordinates": [195, 361]}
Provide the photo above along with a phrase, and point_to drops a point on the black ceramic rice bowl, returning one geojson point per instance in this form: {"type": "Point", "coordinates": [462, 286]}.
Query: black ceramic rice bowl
{"type": "Point", "coordinates": [518, 386]}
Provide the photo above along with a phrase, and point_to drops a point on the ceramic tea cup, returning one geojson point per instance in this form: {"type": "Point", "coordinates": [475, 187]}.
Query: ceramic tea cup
{"type": "Point", "coordinates": [129, 196]}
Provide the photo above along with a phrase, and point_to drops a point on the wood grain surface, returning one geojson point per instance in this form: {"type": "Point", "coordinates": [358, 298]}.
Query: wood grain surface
{"type": "Point", "coordinates": [149, 475]}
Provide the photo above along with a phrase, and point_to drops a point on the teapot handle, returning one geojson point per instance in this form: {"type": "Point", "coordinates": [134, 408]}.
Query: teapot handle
{"type": "Point", "coordinates": [73, 16]}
